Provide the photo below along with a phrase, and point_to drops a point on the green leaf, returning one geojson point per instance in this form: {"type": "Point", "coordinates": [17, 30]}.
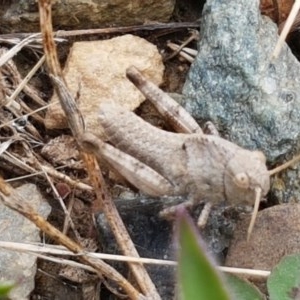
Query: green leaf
{"type": "Point", "coordinates": [198, 279]}
{"type": "Point", "coordinates": [5, 288]}
{"type": "Point", "coordinates": [284, 281]}
{"type": "Point", "coordinates": [241, 289]}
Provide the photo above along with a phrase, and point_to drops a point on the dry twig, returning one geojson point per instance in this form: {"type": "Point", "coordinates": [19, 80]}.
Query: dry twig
{"type": "Point", "coordinates": [15, 38]}
{"type": "Point", "coordinates": [76, 125]}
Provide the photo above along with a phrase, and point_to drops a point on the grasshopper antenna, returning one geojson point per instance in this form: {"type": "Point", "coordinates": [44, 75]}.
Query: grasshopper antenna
{"type": "Point", "coordinates": [254, 212]}
{"type": "Point", "coordinates": [285, 165]}
{"type": "Point", "coordinates": [258, 191]}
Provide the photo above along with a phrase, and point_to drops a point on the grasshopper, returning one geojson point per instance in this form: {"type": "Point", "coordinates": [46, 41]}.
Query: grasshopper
{"type": "Point", "coordinates": [204, 167]}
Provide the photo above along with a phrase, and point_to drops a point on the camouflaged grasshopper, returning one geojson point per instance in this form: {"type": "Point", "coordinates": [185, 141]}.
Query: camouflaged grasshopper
{"type": "Point", "coordinates": [204, 167]}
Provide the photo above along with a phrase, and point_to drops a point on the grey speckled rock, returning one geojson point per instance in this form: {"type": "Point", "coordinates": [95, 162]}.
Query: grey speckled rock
{"type": "Point", "coordinates": [255, 103]}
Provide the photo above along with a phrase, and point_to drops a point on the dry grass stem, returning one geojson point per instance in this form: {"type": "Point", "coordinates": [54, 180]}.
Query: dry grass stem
{"type": "Point", "coordinates": [15, 38]}
{"type": "Point", "coordinates": [65, 178]}
{"type": "Point", "coordinates": [62, 204]}
{"type": "Point", "coordinates": [25, 82]}
{"type": "Point", "coordinates": [28, 114]}
{"type": "Point", "coordinates": [59, 250]}
{"type": "Point", "coordinates": [15, 161]}
{"type": "Point", "coordinates": [186, 53]}
{"type": "Point", "coordinates": [66, 221]}
{"type": "Point", "coordinates": [249, 272]}
{"type": "Point", "coordinates": [18, 47]}
{"type": "Point", "coordinates": [65, 262]}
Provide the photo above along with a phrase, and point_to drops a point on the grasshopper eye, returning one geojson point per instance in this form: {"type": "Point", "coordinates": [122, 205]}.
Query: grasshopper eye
{"type": "Point", "coordinates": [241, 180]}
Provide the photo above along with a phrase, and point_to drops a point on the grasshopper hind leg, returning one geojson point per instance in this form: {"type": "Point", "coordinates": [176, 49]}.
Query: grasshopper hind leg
{"type": "Point", "coordinates": [177, 116]}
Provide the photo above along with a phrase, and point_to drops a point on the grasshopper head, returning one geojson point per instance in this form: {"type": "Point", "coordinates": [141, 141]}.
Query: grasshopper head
{"type": "Point", "coordinates": [245, 173]}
